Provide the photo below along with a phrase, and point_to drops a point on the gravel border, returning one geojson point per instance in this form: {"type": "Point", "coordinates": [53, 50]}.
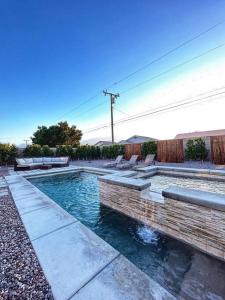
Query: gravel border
{"type": "Point", "coordinates": [21, 276]}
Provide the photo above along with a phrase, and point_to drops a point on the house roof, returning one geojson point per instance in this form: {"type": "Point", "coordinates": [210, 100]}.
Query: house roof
{"type": "Point", "coordinates": [197, 134]}
{"type": "Point", "coordinates": [137, 139]}
{"type": "Point", "coordinates": [103, 143]}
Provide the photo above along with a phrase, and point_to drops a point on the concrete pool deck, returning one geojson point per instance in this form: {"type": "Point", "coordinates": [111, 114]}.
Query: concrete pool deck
{"type": "Point", "coordinates": [77, 263]}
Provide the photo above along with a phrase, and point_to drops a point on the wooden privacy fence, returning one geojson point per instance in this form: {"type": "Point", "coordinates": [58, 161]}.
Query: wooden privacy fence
{"type": "Point", "coordinates": [132, 149]}
{"type": "Point", "coordinates": [218, 149]}
{"type": "Point", "coordinates": [170, 151]}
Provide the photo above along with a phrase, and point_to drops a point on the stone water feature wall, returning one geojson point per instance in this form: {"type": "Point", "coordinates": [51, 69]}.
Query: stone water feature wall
{"type": "Point", "coordinates": [198, 225]}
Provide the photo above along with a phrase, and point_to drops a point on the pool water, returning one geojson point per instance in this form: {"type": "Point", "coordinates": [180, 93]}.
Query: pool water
{"type": "Point", "coordinates": [162, 182]}
{"type": "Point", "coordinates": [176, 266]}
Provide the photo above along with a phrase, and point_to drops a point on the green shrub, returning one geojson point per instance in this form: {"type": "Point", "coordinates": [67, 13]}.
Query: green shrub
{"type": "Point", "coordinates": [64, 150]}
{"type": "Point", "coordinates": [148, 148]}
{"type": "Point", "coordinates": [196, 149]}
{"type": "Point", "coordinates": [46, 151]}
{"type": "Point", "coordinates": [8, 153]}
{"type": "Point", "coordinates": [33, 150]}
{"type": "Point", "coordinates": [112, 151]}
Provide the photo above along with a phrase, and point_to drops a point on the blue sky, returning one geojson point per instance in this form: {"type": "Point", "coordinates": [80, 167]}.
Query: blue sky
{"type": "Point", "coordinates": [56, 54]}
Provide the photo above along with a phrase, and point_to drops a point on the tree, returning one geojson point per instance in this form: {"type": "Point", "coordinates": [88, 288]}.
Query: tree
{"type": "Point", "coordinates": [59, 134]}
{"type": "Point", "coordinates": [8, 153]}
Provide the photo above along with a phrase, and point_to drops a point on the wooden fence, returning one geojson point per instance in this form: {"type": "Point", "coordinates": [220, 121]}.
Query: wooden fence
{"type": "Point", "coordinates": [132, 149]}
{"type": "Point", "coordinates": [170, 151]}
{"type": "Point", "coordinates": [218, 149]}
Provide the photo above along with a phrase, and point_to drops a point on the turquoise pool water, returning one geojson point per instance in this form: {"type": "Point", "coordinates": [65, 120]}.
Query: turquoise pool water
{"type": "Point", "coordinates": [178, 267]}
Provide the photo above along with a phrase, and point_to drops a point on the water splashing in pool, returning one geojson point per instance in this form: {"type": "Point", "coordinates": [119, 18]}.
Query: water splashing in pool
{"type": "Point", "coordinates": [147, 235]}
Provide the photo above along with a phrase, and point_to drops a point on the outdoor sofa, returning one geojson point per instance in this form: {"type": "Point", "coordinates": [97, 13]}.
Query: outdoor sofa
{"type": "Point", "coordinates": [38, 162]}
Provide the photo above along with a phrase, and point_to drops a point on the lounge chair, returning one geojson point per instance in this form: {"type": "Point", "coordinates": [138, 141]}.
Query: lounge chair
{"type": "Point", "coordinates": [115, 162]}
{"type": "Point", "coordinates": [128, 164]}
{"type": "Point", "coordinates": [149, 159]}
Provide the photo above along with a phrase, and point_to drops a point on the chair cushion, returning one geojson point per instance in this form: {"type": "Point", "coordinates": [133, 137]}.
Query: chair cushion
{"type": "Point", "coordinates": [20, 161]}
{"type": "Point", "coordinates": [47, 159]}
{"type": "Point", "coordinates": [57, 163]}
{"type": "Point", "coordinates": [38, 160]}
{"type": "Point", "coordinates": [56, 159]}
{"type": "Point", "coordinates": [64, 159]}
{"type": "Point", "coordinates": [28, 160]}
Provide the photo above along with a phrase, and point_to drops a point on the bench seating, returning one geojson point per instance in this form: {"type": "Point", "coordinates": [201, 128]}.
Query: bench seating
{"type": "Point", "coordinates": [36, 162]}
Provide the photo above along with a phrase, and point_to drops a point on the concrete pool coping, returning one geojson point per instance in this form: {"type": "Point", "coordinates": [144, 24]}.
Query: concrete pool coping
{"type": "Point", "coordinates": [207, 199]}
{"type": "Point", "coordinates": [77, 263]}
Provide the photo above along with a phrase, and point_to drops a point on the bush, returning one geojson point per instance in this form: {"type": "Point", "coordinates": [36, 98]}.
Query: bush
{"type": "Point", "coordinates": [33, 150]}
{"type": "Point", "coordinates": [46, 151]}
{"type": "Point", "coordinates": [112, 151]}
{"type": "Point", "coordinates": [64, 150]}
{"type": "Point", "coordinates": [8, 153]}
{"type": "Point", "coordinates": [148, 148]}
{"type": "Point", "coordinates": [196, 149]}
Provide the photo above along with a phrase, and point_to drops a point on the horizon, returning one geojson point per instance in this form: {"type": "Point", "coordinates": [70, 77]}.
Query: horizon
{"type": "Point", "coordinates": [56, 56]}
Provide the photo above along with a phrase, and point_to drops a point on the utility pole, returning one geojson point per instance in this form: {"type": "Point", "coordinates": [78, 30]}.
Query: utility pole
{"type": "Point", "coordinates": [113, 97]}
{"type": "Point", "coordinates": [26, 141]}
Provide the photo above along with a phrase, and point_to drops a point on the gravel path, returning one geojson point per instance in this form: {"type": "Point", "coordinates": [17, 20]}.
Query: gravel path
{"type": "Point", "coordinates": [21, 276]}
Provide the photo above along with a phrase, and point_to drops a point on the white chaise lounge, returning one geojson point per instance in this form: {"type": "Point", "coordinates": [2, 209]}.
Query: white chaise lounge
{"type": "Point", "coordinates": [37, 162]}
{"type": "Point", "coordinates": [128, 164]}
{"type": "Point", "coordinates": [148, 161]}
{"type": "Point", "coordinates": [115, 162]}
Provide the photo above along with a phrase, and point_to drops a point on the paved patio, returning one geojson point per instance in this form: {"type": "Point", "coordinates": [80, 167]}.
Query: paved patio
{"type": "Point", "coordinates": [187, 164]}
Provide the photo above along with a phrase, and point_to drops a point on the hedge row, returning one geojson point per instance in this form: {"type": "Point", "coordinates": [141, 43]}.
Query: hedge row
{"type": "Point", "coordinates": [195, 150]}
{"type": "Point", "coordinates": [82, 152]}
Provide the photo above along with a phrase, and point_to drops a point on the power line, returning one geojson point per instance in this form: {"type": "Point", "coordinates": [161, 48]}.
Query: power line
{"type": "Point", "coordinates": [172, 106]}
{"type": "Point", "coordinates": [173, 68]}
{"type": "Point", "coordinates": [79, 105]}
{"type": "Point", "coordinates": [122, 112]}
{"type": "Point", "coordinates": [166, 71]}
{"type": "Point", "coordinates": [92, 108]}
{"type": "Point", "coordinates": [144, 67]}
{"type": "Point", "coordinates": [167, 53]}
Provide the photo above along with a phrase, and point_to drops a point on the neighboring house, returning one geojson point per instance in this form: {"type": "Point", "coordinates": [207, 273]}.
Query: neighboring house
{"type": "Point", "coordinates": [137, 139]}
{"type": "Point", "coordinates": [197, 134]}
{"type": "Point", "coordinates": [103, 143]}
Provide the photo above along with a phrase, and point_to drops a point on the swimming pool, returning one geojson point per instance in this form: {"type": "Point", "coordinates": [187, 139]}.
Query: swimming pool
{"type": "Point", "coordinates": [178, 267]}
{"type": "Point", "coordinates": [161, 182]}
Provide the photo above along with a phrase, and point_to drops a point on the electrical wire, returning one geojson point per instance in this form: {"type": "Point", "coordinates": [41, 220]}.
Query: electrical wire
{"type": "Point", "coordinates": [168, 107]}
{"type": "Point", "coordinates": [164, 72]}
{"type": "Point", "coordinates": [144, 67]}
{"type": "Point", "coordinates": [173, 68]}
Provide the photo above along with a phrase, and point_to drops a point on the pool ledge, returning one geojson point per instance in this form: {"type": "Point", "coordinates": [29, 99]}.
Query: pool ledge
{"type": "Point", "coordinates": [77, 263]}
{"type": "Point", "coordinates": [132, 183]}
{"type": "Point", "coordinates": [210, 200]}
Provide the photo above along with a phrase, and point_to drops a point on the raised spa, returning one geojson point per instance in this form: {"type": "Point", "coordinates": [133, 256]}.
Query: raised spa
{"type": "Point", "coordinates": [178, 267]}
{"type": "Point", "coordinates": [161, 182]}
